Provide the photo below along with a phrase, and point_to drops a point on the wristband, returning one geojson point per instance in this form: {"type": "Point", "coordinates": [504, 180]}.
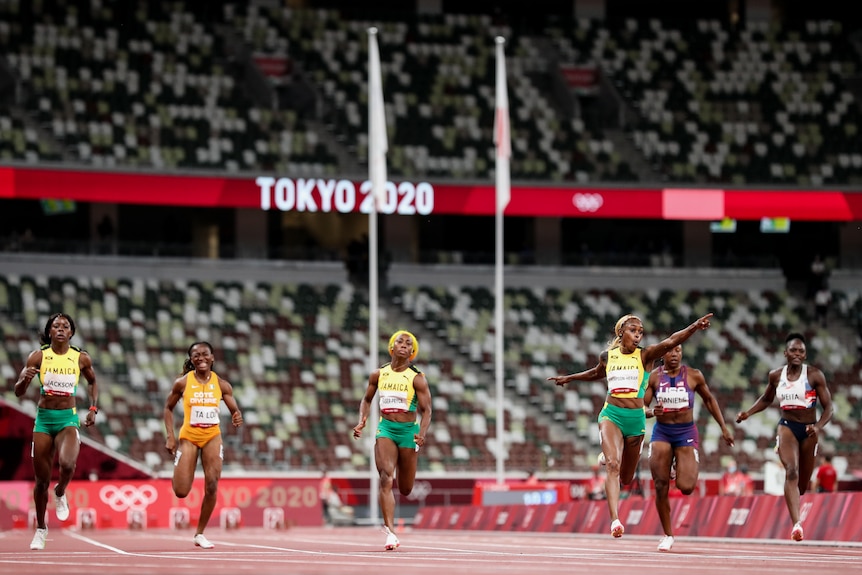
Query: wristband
{"type": "Point", "coordinates": [94, 409]}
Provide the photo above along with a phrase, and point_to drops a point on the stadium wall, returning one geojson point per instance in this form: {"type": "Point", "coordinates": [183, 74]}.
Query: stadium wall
{"type": "Point", "coordinates": [826, 517]}
{"type": "Point", "coordinates": [403, 274]}
{"type": "Point", "coordinates": [279, 503]}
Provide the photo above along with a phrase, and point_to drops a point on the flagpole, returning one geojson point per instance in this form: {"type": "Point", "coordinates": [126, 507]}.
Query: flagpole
{"type": "Point", "coordinates": [377, 146]}
{"type": "Point", "coordinates": [502, 140]}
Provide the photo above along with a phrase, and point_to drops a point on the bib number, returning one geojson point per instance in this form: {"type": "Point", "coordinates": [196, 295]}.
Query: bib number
{"type": "Point", "coordinates": [204, 416]}
{"type": "Point", "coordinates": [393, 402]}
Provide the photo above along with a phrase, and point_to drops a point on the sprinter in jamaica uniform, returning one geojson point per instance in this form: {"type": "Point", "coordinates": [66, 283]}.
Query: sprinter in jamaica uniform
{"type": "Point", "coordinates": [57, 365]}
{"type": "Point", "coordinates": [403, 394]}
{"type": "Point", "coordinates": [622, 422]}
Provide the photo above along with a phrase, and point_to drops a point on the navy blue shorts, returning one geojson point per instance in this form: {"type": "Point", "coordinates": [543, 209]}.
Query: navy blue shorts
{"type": "Point", "coordinates": [797, 428]}
{"type": "Point", "coordinates": [677, 434]}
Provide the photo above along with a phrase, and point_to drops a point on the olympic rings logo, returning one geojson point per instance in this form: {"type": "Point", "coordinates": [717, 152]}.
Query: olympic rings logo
{"type": "Point", "coordinates": [588, 202]}
{"type": "Point", "coordinates": [128, 496]}
{"type": "Point", "coordinates": [421, 490]}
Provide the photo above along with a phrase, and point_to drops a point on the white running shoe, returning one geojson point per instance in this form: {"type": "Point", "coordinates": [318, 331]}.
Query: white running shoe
{"type": "Point", "coordinates": [392, 542]}
{"type": "Point", "coordinates": [797, 534]}
{"type": "Point", "coordinates": [203, 542]}
{"type": "Point", "coordinates": [38, 542]}
{"type": "Point", "coordinates": [61, 507]}
{"type": "Point", "coordinates": [601, 460]}
{"type": "Point", "coordinates": [666, 543]}
{"type": "Point", "coordinates": [617, 528]}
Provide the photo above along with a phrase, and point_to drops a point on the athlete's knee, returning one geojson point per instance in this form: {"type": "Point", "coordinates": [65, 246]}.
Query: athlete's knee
{"type": "Point", "coordinates": [405, 487]}
{"type": "Point", "coordinates": [686, 483]}
{"type": "Point", "coordinates": [661, 485]}
{"type": "Point", "coordinates": [181, 490]}
{"type": "Point", "coordinates": [41, 484]}
{"type": "Point", "coordinates": [67, 465]}
{"type": "Point", "coordinates": [791, 474]}
{"type": "Point", "coordinates": [211, 487]}
{"type": "Point", "coordinates": [685, 489]}
{"type": "Point", "coordinates": [386, 478]}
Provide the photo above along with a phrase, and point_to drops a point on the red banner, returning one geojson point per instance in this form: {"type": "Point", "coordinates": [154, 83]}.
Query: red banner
{"type": "Point", "coordinates": [583, 79]}
{"type": "Point", "coordinates": [273, 66]}
{"type": "Point", "coordinates": [424, 198]}
{"type": "Point", "coordinates": [250, 502]}
{"type": "Point", "coordinates": [16, 464]}
{"type": "Point", "coordinates": [825, 517]}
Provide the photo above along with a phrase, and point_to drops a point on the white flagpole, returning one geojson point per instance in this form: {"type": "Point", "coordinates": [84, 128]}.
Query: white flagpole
{"type": "Point", "coordinates": [502, 140]}
{"type": "Point", "coordinates": [377, 146]}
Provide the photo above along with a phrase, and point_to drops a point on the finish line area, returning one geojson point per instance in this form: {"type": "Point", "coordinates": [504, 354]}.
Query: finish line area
{"type": "Point", "coordinates": [349, 550]}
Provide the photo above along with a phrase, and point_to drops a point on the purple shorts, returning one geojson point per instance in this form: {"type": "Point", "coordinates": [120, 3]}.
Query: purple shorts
{"type": "Point", "coordinates": [677, 434]}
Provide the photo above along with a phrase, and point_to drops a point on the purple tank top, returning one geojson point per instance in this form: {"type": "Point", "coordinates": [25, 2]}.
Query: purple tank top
{"type": "Point", "coordinates": [673, 393]}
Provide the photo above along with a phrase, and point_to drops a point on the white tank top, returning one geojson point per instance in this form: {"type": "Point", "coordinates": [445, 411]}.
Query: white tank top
{"type": "Point", "coordinates": [796, 394]}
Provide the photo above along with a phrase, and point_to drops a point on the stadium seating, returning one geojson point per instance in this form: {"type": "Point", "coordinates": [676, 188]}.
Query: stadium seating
{"type": "Point", "coordinates": [152, 87]}
{"type": "Point", "coordinates": [439, 92]}
{"type": "Point", "coordinates": [552, 331]}
{"type": "Point", "coordinates": [295, 354]}
{"type": "Point", "coordinates": [168, 85]}
{"type": "Point", "coordinates": [759, 103]}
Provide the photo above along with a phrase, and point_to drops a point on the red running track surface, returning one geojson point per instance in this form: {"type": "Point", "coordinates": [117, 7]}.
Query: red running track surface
{"type": "Point", "coordinates": [359, 550]}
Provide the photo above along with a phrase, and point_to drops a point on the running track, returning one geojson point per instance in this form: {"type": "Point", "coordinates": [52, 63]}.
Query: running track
{"type": "Point", "coordinates": [359, 550]}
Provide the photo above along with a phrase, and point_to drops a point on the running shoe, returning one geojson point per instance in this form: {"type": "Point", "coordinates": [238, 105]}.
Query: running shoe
{"type": "Point", "coordinates": [61, 506]}
{"type": "Point", "coordinates": [38, 542]}
{"type": "Point", "coordinates": [601, 459]}
{"type": "Point", "coordinates": [617, 528]}
{"type": "Point", "coordinates": [666, 543]}
{"type": "Point", "coordinates": [392, 542]}
{"type": "Point", "coordinates": [203, 542]}
{"type": "Point", "coordinates": [797, 533]}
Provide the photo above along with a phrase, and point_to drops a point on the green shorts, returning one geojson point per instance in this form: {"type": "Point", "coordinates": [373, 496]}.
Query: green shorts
{"type": "Point", "coordinates": [400, 432]}
{"type": "Point", "coordinates": [632, 422]}
{"type": "Point", "coordinates": [53, 421]}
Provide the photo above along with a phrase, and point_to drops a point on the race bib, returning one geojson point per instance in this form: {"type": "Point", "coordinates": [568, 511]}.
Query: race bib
{"type": "Point", "coordinates": [59, 387]}
{"type": "Point", "coordinates": [673, 398]}
{"type": "Point", "coordinates": [623, 381]}
{"type": "Point", "coordinates": [796, 400]}
{"type": "Point", "coordinates": [393, 402]}
{"type": "Point", "coordinates": [204, 416]}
